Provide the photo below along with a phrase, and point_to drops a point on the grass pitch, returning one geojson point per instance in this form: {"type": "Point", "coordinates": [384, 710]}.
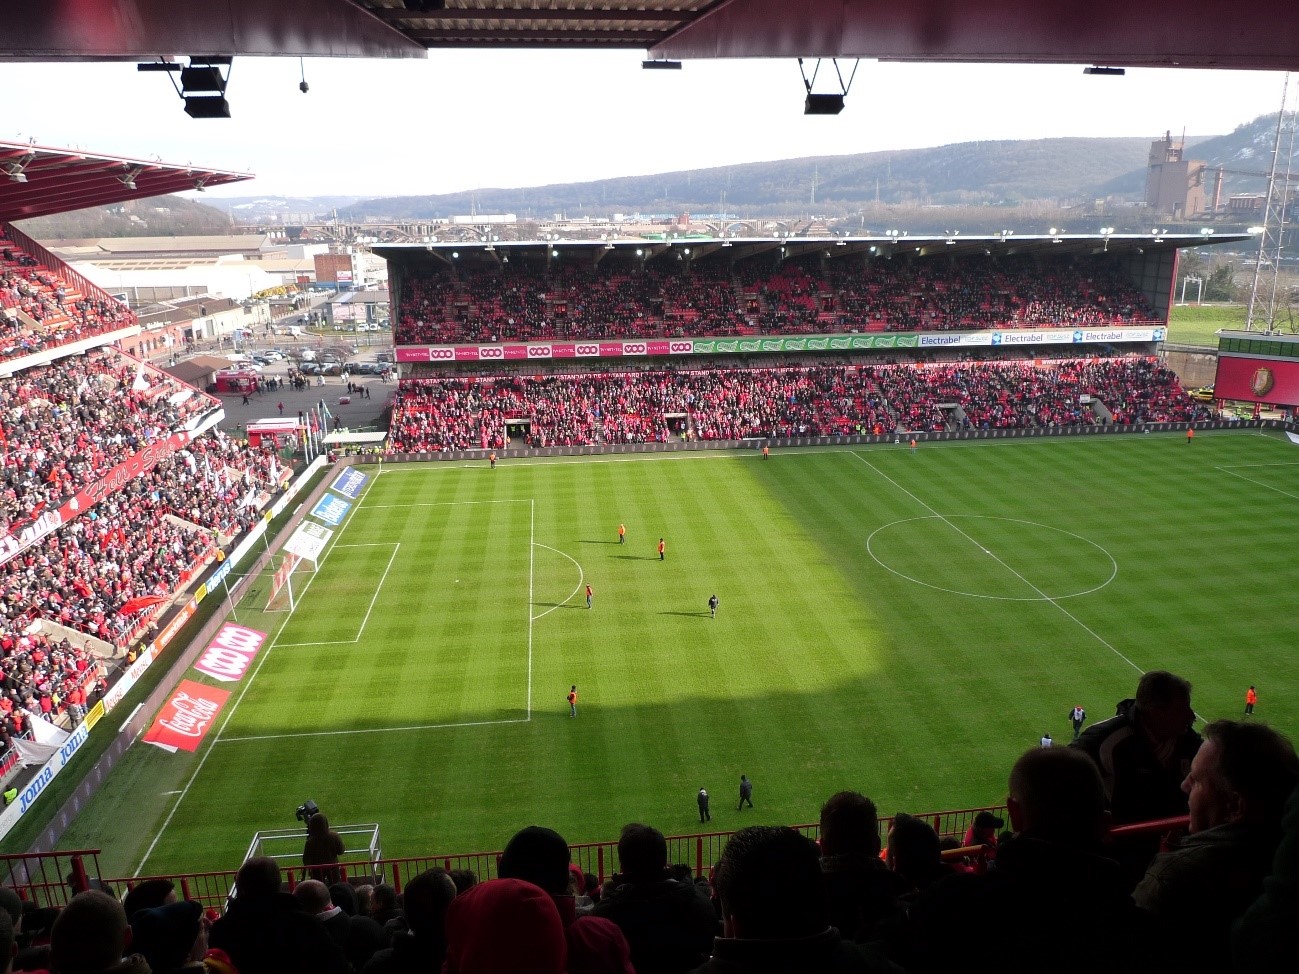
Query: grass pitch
{"type": "Point", "coordinates": [902, 624]}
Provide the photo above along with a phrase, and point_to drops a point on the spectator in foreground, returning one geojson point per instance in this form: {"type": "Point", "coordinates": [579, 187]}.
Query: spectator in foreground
{"type": "Point", "coordinates": [541, 856]}
{"type": "Point", "coordinates": [1057, 807]}
{"type": "Point", "coordinates": [172, 938]}
{"type": "Point", "coordinates": [364, 936]}
{"type": "Point", "coordinates": [425, 900]}
{"type": "Point", "coordinates": [265, 931]}
{"type": "Point", "coordinates": [860, 890]}
{"type": "Point", "coordinates": [1263, 939]}
{"type": "Point", "coordinates": [669, 925]}
{"type": "Point", "coordinates": [915, 853]}
{"type": "Point", "coordinates": [505, 925]}
{"type": "Point", "coordinates": [1238, 786]}
{"type": "Point", "coordinates": [773, 910]}
{"type": "Point", "coordinates": [1144, 752]}
{"type": "Point", "coordinates": [148, 895]}
{"type": "Point", "coordinates": [90, 937]}
{"type": "Point", "coordinates": [8, 942]}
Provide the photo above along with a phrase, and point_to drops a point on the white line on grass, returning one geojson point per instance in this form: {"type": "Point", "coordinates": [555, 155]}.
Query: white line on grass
{"type": "Point", "coordinates": [1233, 466]}
{"type": "Point", "coordinates": [373, 730]}
{"type": "Point", "coordinates": [387, 507]}
{"type": "Point", "coordinates": [532, 553]}
{"type": "Point", "coordinates": [377, 589]}
{"type": "Point", "coordinates": [581, 577]}
{"type": "Point", "coordinates": [1045, 597]}
{"type": "Point", "coordinates": [252, 678]}
{"type": "Point", "coordinates": [1260, 483]}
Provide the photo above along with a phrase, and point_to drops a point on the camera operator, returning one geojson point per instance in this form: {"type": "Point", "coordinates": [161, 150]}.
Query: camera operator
{"type": "Point", "coordinates": [322, 848]}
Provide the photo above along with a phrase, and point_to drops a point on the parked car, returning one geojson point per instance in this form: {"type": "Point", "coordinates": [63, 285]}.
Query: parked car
{"type": "Point", "coordinates": [310, 368]}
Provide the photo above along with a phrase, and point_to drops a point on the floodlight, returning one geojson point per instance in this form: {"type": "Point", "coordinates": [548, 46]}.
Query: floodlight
{"type": "Point", "coordinates": [661, 65]}
{"type": "Point", "coordinates": [1106, 72]}
{"type": "Point", "coordinates": [822, 104]}
{"type": "Point", "coordinates": [207, 106]}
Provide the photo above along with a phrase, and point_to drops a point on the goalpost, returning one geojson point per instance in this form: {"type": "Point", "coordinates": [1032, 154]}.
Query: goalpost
{"type": "Point", "coordinates": [305, 546]}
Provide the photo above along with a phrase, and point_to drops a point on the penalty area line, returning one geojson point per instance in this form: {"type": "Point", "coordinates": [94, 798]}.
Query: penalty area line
{"type": "Point", "coordinates": [372, 730]}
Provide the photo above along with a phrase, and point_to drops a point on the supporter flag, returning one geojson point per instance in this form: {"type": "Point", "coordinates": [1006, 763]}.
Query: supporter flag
{"type": "Point", "coordinates": [140, 383]}
{"type": "Point", "coordinates": [190, 462]}
{"type": "Point", "coordinates": [132, 606]}
{"type": "Point", "coordinates": [275, 469]}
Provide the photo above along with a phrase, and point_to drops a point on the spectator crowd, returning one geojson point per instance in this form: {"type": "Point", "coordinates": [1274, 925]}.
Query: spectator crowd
{"type": "Point", "coordinates": [40, 310]}
{"type": "Point", "coordinates": [653, 404]}
{"type": "Point", "coordinates": [514, 303]}
{"type": "Point", "coordinates": [1055, 890]}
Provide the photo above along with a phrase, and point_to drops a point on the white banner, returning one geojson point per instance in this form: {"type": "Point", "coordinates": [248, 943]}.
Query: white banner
{"type": "Point", "coordinates": [44, 732]}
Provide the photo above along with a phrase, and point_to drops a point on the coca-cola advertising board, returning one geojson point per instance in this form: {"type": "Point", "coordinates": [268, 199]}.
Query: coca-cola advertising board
{"type": "Point", "coordinates": [187, 717]}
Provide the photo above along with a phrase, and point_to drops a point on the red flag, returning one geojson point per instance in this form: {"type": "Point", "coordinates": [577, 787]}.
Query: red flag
{"type": "Point", "coordinates": [135, 605]}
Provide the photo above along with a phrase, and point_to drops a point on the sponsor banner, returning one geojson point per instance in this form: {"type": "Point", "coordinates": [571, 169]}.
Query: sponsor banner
{"type": "Point", "coordinates": [43, 777]}
{"type": "Point", "coordinates": [331, 510]}
{"type": "Point", "coordinates": [230, 653]}
{"type": "Point", "coordinates": [129, 678]}
{"type": "Point", "coordinates": [802, 343]}
{"type": "Point", "coordinates": [349, 483]}
{"type": "Point", "coordinates": [94, 714]}
{"type": "Point", "coordinates": [1249, 379]}
{"type": "Point", "coordinates": [91, 494]}
{"type": "Point", "coordinates": [308, 541]}
{"type": "Point", "coordinates": [186, 717]}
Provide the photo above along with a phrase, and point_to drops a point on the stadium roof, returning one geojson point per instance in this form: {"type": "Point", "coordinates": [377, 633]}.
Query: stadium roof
{"type": "Point", "coordinates": [835, 248]}
{"type": "Point", "coordinates": [37, 180]}
{"type": "Point", "coordinates": [1166, 33]}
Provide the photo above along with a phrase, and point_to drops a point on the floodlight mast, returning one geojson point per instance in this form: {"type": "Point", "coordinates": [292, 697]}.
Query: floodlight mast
{"type": "Point", "coordinates": [1271, 241]}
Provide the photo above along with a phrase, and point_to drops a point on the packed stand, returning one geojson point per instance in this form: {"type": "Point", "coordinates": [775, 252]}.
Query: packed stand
{"type": "Point", "coordinates": [790, 298]}
{"type": "Point", "coordinates": [42, 675]}
{"type": "Point", "coordinates": [1050, 888]}
{"type": "Point", "coordinates": [65, 425]}
{"type": "Point", "coordinates": [651, 406]}
{"type": "Point", "coordinates": [53, 312]}
{"type": "Point", "coordinates": [145, 539]}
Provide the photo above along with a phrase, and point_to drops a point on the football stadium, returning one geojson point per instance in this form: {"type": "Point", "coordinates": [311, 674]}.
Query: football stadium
{"type": "Point", "coordinates": [718, 602]}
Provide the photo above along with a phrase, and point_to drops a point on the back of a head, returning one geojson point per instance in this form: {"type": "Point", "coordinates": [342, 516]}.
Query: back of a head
{"type": "Point", "coordinates": [318, 824]}
{"type": "Point", "coordinates": [1058, 796]}
{"type": "Point", "coordinates": [165, 935]}
{"type": "Point", "coordinates": [505, 925]}
{"type": "Point", "coordinates": [425, 902]}
{"type": "Point", "coordinates": [313, 895]}
{"type": "Point", "coordinates": [914, 849]}
{"type": "Point", "coordinates": [383, 898]}
{"type": "Point", "coordinates": [148, 895]}
{"type": "Point", "coordinates": [12, 904]}
{"type": "Point", "coordinates": [538, 855]}
{"type": "Point", "coordinates": [343, 896]}
{"type": "Point", "coordinates": [89, 935]}
{"type": "Point", "coordinates": [769, 882]}
{"type": "Point", "coordinates": [642, 853]}
{"type": "Point", "coordinates": [1259, 764]}
{"type": "Point", "coordinates": [257, 878]}
{"type": "Point", "coordinates": [1159, 688]}
{"type": "Point", "coordinates": [849, 825]}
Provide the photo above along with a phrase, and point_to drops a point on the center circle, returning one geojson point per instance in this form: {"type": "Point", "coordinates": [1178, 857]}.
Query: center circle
{"type": "Point", "coordinates": [985, 557]}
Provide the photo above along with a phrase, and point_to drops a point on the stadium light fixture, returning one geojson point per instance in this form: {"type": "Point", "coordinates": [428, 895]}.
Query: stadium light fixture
{"type": "Point", "coordinates": [16, 169]}
{"type": "Point", "coordinates": [1105, 72]}
{"type": "Point", "coordinates": [830, 103]}
{"type": "Point", "coordinates": [1206, 231]}
{"type": "Point", "coordinates": [1255, 230]}
{"type": "Point", "coordinates": [660, 64]}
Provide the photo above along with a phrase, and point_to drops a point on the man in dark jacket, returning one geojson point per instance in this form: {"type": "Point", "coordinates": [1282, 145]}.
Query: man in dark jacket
{"type": "Point", "coordinates": [265, 931]}
{"type": "Point", "coordinates": [1238, 786]}
{"type": "Point", "coordinates": [669, 925]}
{"type": "Point", "coordinates": [773, 910]}
{"type": "Point", "coordinates": [1145, 751]}
{"type": "Point", "coordinates": [860, 890]}
{"type": "Point", "coordinates": [1057, 807]}
{"type": "Point", "coordinates": [424, 948]}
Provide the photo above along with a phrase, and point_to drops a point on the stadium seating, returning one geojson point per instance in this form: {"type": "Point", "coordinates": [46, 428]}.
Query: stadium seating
{"type": "Point", "coordinates": [40, 309]}
{"type": "Point", "coordinates": [652, 405]}
{"type": "Point", "coordinates": [751, 299]}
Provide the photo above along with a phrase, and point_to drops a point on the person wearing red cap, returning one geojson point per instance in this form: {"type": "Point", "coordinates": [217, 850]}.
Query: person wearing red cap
{"type": "Point", "coordinates": [505, 925]}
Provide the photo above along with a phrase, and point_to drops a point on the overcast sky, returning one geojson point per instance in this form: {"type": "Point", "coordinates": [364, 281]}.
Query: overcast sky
{"type": "Point", "coordinates": [468, 120]}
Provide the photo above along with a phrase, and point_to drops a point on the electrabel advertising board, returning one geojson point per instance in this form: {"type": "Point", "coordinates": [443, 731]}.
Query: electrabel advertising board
{"type": "Point", "coordinates": [349, 483]}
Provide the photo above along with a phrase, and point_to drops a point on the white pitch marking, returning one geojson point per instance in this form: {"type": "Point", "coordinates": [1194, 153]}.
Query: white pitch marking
{"type": "Point", "coordinates": [1046, 598]}
{"type": "Point", "coordinates": [1241, 476]}
{"type": "Point", "coordinates": [371, 730]}
{"type": "Point", "coordinates": [581, 577]}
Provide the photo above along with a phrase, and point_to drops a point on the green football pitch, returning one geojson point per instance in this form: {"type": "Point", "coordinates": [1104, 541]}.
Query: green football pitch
{"type": "Point", "coordinates": [903, 624]}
